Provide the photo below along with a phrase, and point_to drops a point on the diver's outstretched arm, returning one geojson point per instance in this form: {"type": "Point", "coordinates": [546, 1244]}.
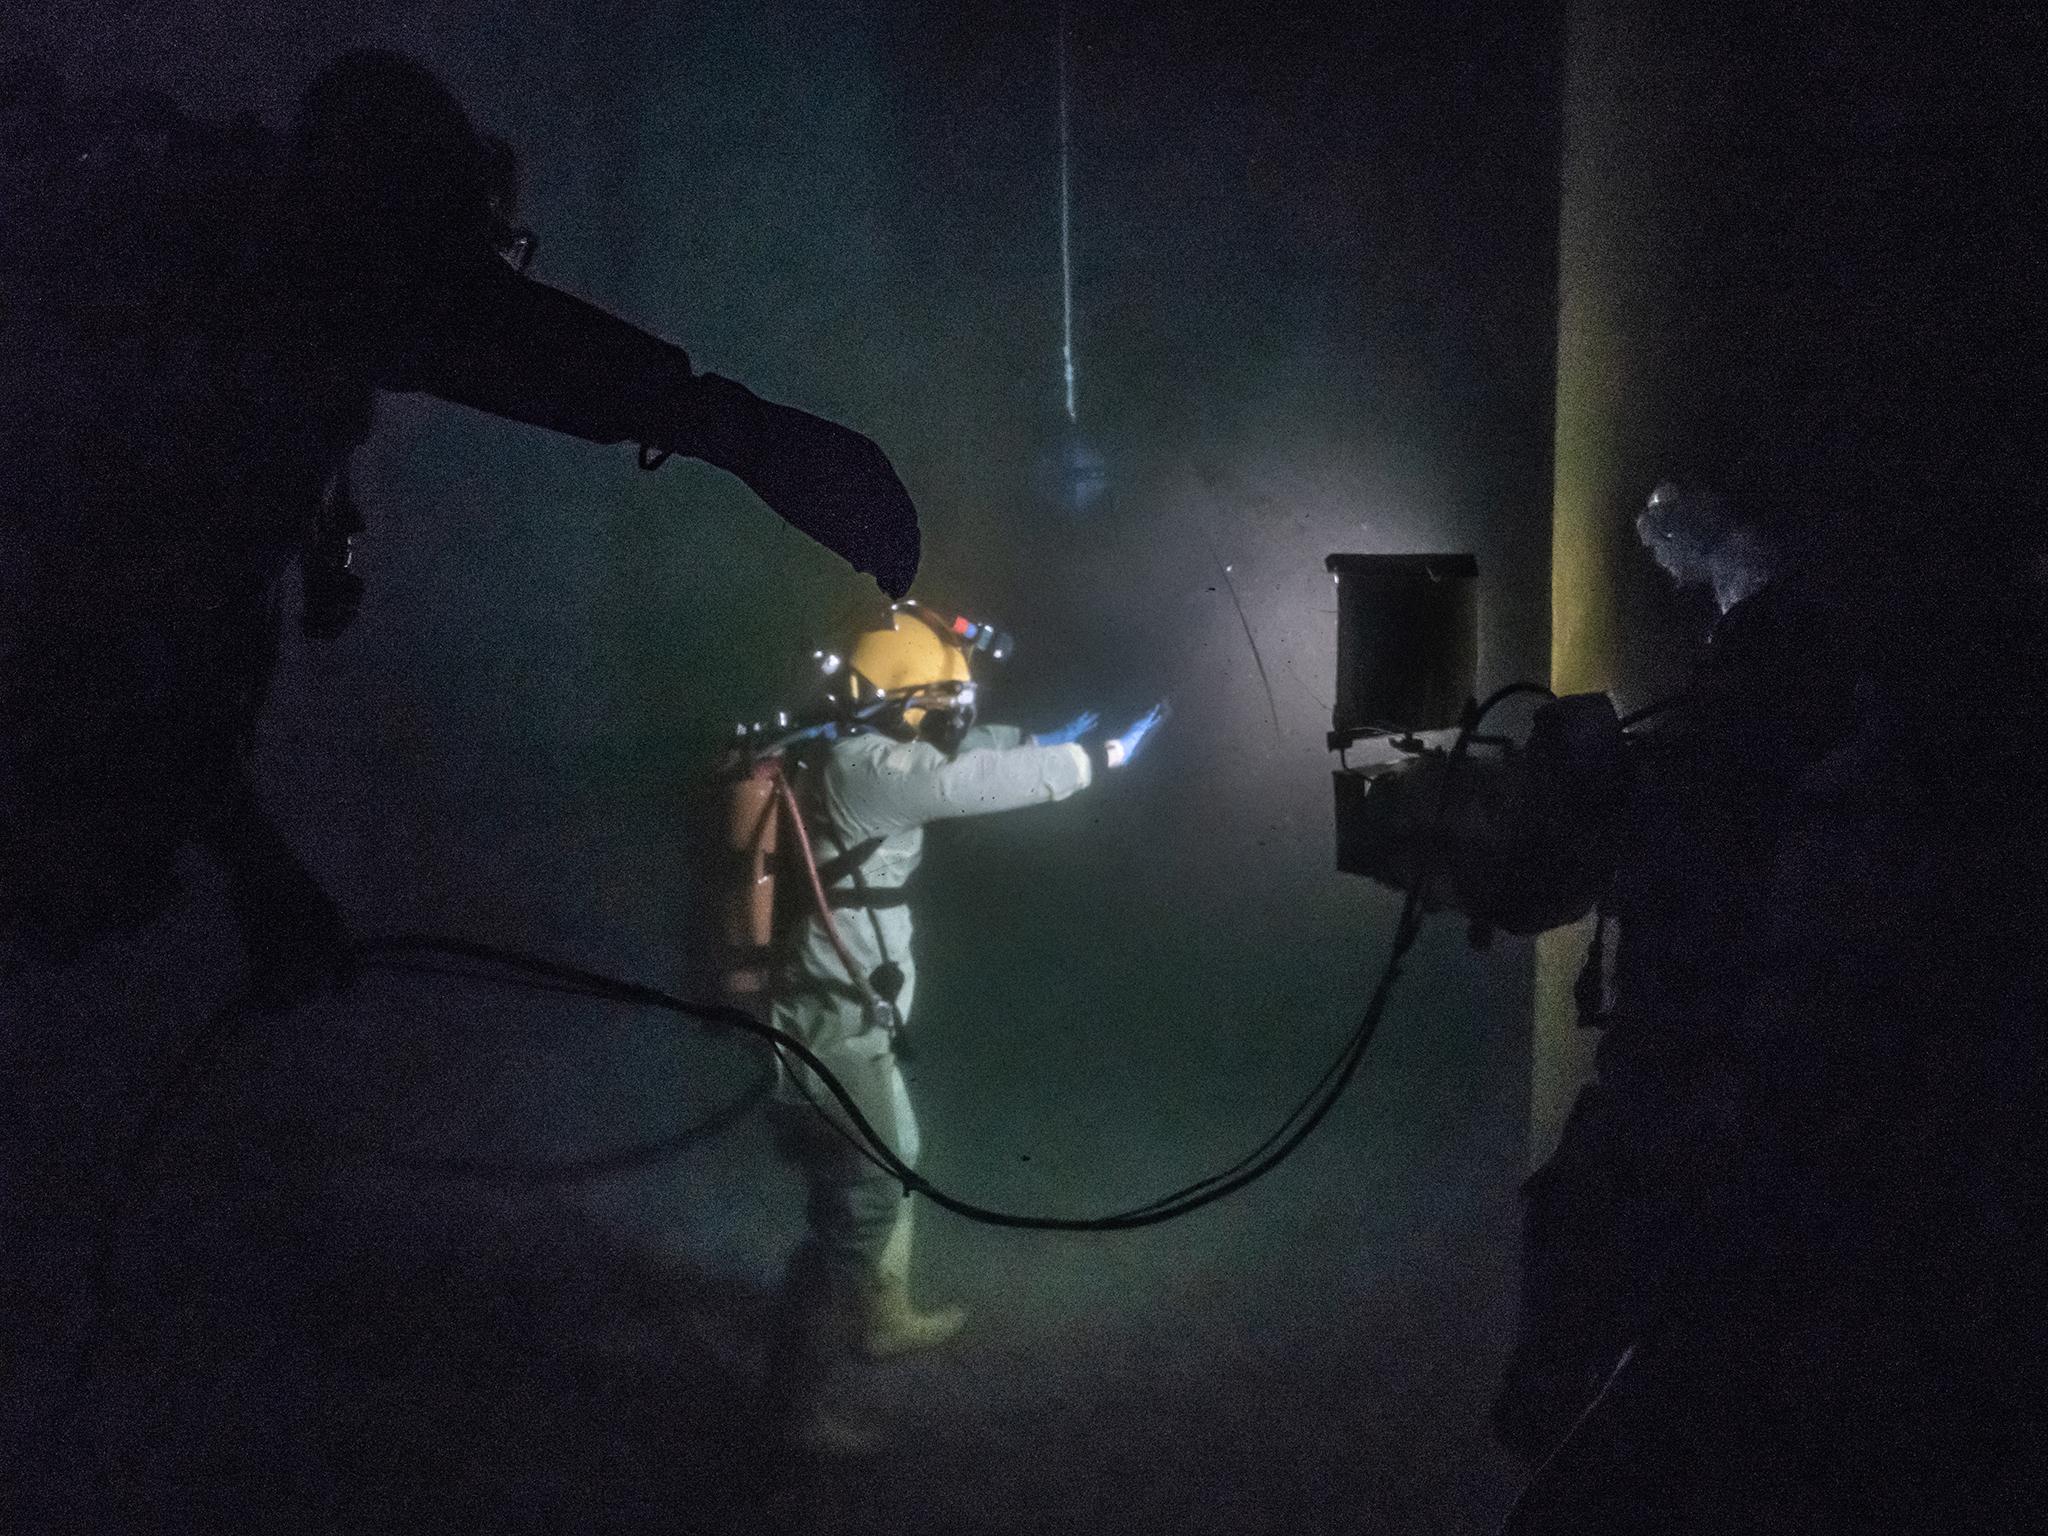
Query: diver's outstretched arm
{"type": "Point", "coordinates": [396, 226]}
{"type": "Point", "coordinates": [520, 349]}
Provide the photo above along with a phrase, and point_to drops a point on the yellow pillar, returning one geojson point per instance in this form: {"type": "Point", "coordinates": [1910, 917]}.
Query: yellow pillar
{"type": "Point", "coordinates": [1658, 332]}
{"type": "Point", "coordinates": [1586, 447]}
{"type": "Point", "coordinates": [1615, 393]}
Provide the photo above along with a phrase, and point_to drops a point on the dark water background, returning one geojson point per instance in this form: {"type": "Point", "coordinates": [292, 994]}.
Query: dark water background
{"type": "Point", "coordinates": [1314, 313]}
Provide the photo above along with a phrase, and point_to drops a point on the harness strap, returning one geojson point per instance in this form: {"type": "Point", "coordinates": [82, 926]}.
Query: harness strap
{"type": "Point", "coordinates": [868, 898]}
{"type": "Point", "coordinates": [847, 862]}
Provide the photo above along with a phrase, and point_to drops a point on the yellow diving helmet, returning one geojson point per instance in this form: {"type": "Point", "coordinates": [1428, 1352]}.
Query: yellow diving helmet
{"type": "Point", "coordinates": [917, 652]}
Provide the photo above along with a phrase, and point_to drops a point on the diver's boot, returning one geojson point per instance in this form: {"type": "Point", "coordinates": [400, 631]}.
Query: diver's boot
{"type": "Point", "coordinates": [807, 1350]}
{"type": "Point", "coordinates": [890, 1326]}
{"type": "Point", "coordinates": [887, 1325]}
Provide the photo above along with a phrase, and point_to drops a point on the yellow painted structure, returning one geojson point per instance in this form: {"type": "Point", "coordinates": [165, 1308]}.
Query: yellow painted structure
{"type": "Point", "coordinates": [1631, 338]}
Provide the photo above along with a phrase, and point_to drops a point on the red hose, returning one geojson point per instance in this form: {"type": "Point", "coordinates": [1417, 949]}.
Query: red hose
{"type": "Point", "coordinates": [803, 843]}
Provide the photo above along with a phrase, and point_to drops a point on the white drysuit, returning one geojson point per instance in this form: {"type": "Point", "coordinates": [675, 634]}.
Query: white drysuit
{"type": "Point", "coordinates": [875, 786]}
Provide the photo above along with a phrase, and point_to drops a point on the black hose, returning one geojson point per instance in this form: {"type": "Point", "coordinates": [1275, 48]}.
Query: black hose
{"type": "Point", "coordinates": [865, 1140]}
{"type": "Point", "coordinates": [1270, 1153]}
{"type": "Point", "coordinates": [577, 980]}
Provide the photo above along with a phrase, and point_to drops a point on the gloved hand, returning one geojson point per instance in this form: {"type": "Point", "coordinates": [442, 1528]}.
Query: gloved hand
{"type": "Point", "coordinates": [822, 479]}
{"type": "Point", "coordinates": [1124, 746]}
{"type": "Point", "coordinates": [1073, 730]}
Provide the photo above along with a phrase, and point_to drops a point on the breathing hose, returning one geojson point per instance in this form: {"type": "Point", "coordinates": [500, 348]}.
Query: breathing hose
{"type": "Point", "coordinates": [1296, 1128]}
{"type": "Point", "coordinates": [861, 1133]}
{"type": "Point", "coordinates": [787, 797]}
{"type": "Point", "coordinates": [137, 1166]}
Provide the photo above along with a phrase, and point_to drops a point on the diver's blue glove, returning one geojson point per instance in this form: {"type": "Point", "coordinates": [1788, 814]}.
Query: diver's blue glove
{"type": "Point", "coordinates": [1124, 746]}
{"type": "Point", "coordinates": [1073, 730]}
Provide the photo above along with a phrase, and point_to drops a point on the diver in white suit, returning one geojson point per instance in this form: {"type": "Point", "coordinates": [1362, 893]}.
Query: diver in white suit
{"type": "Point", "coordinates": [866, 801]}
